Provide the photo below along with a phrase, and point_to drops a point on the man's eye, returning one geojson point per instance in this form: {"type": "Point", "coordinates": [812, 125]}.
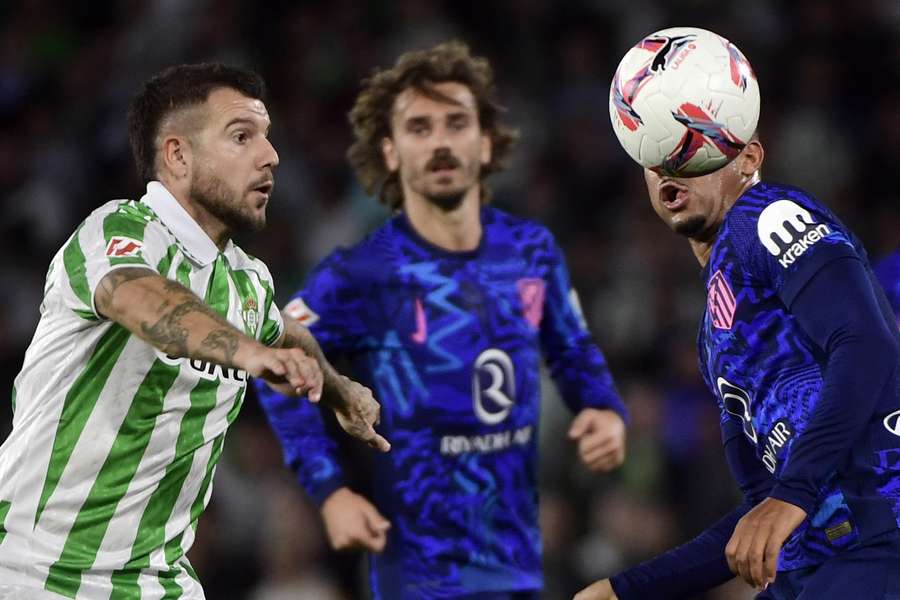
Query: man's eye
{"type": "Point", "coordinates": [240, 137]}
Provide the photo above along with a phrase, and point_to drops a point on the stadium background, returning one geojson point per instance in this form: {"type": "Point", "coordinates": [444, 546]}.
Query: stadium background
{"type": "Point", "coordinates": [830, 120]}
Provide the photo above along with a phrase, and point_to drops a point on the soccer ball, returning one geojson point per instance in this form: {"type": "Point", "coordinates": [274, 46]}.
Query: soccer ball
{"type": "Point", "coordinates": [684, 102]}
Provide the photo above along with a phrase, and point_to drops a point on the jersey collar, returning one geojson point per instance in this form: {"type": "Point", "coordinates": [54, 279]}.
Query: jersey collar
{"type": "Point", "coordinates": [193, 240]}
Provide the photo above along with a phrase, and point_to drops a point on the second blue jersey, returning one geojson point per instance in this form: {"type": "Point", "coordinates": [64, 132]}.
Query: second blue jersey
{"type": "Point", "coordinates": [451, 345]}
{"type": "Point", "coordinates": [768, 375]}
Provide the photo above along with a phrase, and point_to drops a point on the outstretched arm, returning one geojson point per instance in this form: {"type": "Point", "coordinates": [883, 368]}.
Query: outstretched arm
{"type": "Point", "coordinates": [174, 320]}
{"type": "Point", "coordinates": [354, 406]}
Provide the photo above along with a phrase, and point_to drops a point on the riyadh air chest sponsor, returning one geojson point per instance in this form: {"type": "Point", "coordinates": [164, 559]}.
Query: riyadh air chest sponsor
{"type": "Point", "coordinates": [493, 398]}
{"type": "Point", "coordinates": [787, 230]}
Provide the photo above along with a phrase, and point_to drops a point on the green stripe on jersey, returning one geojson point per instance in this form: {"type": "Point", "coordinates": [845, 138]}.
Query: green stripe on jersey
{"type": "Point", "coordinates": [128, 220]}
{"type": "Point", "coordinates": [217, 295]}
{"type": "Point", "coordinates": [4, 509]}
{"type": "Point", "coordinates": [165, 262]}
{"type": "Point", "coordinates": [152, 529]}
{"type": "Point", "coordinates": [79, 404]}
{"type": "Point", "coordinates": [92, 521]}
{"type": "Point", "coordinates": [270, 331]}
{"type": "Point", "coordinates": [182, 273]}
{"type": "Point", "coordinates": [73, 260]}
{"type": "Point", "coordinates": [173, 550]}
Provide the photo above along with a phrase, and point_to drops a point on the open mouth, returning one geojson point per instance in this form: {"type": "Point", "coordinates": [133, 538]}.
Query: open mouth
{"type": "Point", "coordinates": [672, 194]}
{"type": "Point", "coordinates": [264, 188]}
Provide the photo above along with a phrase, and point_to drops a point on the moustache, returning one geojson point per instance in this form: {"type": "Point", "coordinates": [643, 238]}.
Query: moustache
{"type": "Point", "coordinates": [442, 161]}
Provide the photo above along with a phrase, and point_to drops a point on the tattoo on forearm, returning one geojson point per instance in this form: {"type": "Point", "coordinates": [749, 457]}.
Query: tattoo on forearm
{"type": "Point", "coordinates": [224, 341]}
{"type": "Point", "coordinates": [168, 333]}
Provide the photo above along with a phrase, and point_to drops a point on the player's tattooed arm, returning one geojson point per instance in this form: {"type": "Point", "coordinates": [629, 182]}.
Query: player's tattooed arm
{"type": "Point", "coordinates": [298, 336]}
{"type": "Point", "coordinates": [353, 404]}
{"type": "Point", "coordinates": [168, 316]}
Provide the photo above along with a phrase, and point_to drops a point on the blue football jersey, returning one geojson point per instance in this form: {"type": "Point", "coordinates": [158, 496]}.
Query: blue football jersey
{"type": "Point", "coordinates": [768, 375]}
{"type": "Point", "coordinates": [888, 272]}
{"type": "Point", "coordinates": [450, 343]}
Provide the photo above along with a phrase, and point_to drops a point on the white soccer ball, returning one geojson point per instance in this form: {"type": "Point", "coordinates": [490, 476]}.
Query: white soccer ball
{"type": "Point", "coordinates": [684, 102]}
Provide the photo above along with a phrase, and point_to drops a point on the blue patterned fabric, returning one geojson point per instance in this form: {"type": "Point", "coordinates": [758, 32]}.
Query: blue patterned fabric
{"type": "Point", "coordinates": [768, 375]}
{"type": "Point", "coordinates": [888, 272]}
{"type": "Point", "coordinates": [450, 343]}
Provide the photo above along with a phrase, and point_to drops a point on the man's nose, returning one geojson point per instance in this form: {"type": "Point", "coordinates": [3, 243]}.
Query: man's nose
{"type": "Point", "coordinates": [269, 157]}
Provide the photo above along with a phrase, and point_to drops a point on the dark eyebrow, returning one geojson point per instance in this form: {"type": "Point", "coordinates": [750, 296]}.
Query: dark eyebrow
{"type": "Point", "coordinates": [418, 119]}
{"type": "Point", "coordinates": [245, 121]}
{"type": "Point", "coordinates": [242, 120]}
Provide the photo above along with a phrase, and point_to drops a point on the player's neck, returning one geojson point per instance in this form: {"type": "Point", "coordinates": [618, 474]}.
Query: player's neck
{"type": "Point", "coordinates": [702, 250]}
{"type": "Point", "coordinates": [457, 230]}
{"type": "Point", "coordinates": [217, 231]}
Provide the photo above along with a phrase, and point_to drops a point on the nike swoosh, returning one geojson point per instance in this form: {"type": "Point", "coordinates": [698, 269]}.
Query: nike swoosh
{"type": "Point", "coordinates": [421, 333]}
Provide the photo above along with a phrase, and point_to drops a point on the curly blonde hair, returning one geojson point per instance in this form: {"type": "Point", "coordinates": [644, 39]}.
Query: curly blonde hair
{"type": "Point", "coordinates": [371, 113]}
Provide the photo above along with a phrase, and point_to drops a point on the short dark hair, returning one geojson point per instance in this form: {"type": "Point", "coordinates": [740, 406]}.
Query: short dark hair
{"type": "Point", "coordinates": [173, 89]}
{"type": "Point", "coordinates": [420, 70]}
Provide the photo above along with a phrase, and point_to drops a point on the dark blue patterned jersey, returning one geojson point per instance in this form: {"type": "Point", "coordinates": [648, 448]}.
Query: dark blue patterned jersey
{"type": "Point", "coordinates": [888, 272]}
{"type": "Point", "coordinates": [450, 343]}
{"type": "Point", "coordinates": [767, 373]}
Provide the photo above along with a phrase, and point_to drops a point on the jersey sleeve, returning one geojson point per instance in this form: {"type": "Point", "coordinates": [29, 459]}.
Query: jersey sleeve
{"type": "Point", "coordinates": [576, 363]}
{"type": "Point", "coordinates": [106, 241]}
{"type": "Point", "coordinates": [332, 305]}
{"type": "Point", "coordinates": [308, 450]}
{"type": "Point", "coordinates": [329, 305]}
{"type": "Point", "coordinates": [791, 239]}
{"type": "Point", "coordinates": [272, 320]}
{"type": "Point", "coordinates": [700, 564]}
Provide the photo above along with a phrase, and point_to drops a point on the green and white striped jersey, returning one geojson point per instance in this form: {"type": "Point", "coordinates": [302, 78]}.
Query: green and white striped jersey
{"type": "Point", "coordinates": [114, 444]}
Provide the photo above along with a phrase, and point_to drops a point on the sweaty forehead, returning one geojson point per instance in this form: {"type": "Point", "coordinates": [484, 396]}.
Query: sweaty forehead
{"type": "Point", "coordinates": [414, 102]}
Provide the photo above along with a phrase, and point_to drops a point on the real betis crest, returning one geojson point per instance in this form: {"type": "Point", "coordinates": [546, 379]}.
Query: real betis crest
{"type": "Point", "coordinates": [250, 314]}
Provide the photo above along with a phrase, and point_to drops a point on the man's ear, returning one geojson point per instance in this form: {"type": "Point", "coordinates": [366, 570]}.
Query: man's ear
{"type": "Point", "coordinates": [175, 156]}
{"type": "Point", "coordinates": [487, 149]}
{"type": "Point", "coordinates": [751, 158]}
{"type": "Point", "coordinates": [389, 152]}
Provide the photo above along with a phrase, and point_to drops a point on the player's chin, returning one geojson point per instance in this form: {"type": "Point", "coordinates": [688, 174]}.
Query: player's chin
{"type": "Point", "coordinates": [687, 225]}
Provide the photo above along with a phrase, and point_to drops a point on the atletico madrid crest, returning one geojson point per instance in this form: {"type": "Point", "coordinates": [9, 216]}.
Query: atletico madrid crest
{"type": "Point", "coordinates": [720, 302]}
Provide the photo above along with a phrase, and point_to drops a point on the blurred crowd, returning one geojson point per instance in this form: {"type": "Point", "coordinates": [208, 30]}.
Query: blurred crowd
{"type": "Point", "coordinates": [830, 121]}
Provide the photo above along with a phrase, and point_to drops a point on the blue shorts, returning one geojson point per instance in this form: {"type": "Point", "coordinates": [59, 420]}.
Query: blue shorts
{"type": "Point", "coordinates": [871, 572]}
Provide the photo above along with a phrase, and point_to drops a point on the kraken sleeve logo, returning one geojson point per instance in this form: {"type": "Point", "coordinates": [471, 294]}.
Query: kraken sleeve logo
{"type": "Point", "coordinates": [786, 230]}
{"type": "Point", "coordinates": [493, 386]}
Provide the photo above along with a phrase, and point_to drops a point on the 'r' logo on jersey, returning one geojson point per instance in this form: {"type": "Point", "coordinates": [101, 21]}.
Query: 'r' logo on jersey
{"type": "Point", "coordinates": [787, 229]}
{"type": "Point", "coordinates": [493, 386]}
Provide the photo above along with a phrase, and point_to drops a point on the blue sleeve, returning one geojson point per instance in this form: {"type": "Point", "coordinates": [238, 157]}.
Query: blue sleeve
{"type": "Point", "coordinates": [700, 564]}
{"type": "Point", "coordinates": [329, 306]}
{"type": "Point", "coordinates": [307, 448]}
{"type": "Point", "coordinates": [838, 309]}
{"type": "Point", "coordinates": [795, 237]}
{"type": "Point", "coordinates": [576, 363]}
